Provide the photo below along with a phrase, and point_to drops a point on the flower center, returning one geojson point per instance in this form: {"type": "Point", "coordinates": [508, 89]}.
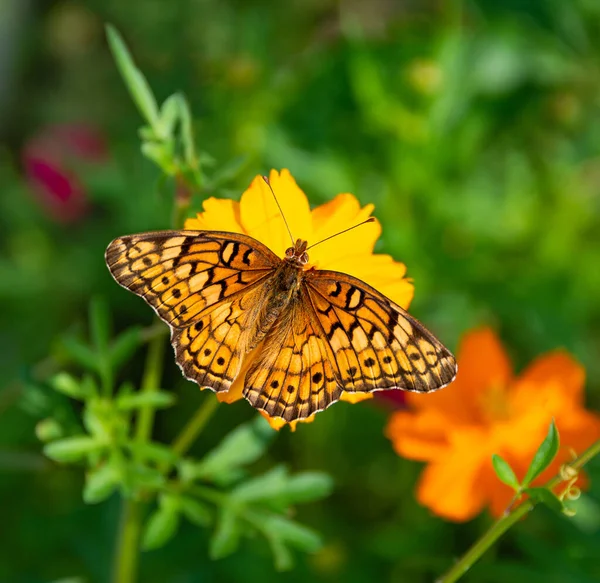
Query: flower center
{"type": "Point", "coordinates": [494, 403]}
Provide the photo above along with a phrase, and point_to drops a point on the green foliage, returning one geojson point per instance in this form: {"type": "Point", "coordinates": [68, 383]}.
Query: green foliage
{"type": "Point", "coordinates": [542, 459]}
{"type": "Point", "coordinates": [217, 489]}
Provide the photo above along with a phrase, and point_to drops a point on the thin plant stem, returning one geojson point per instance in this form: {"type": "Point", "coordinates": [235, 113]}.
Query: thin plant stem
{"type": "Point", "coordinates": [127, 555]}
{"type": "Point", "coordinates": [505, 522]}
{"type": "Point", "coordinates": [195, 425]}
{"type": "Point", "coordinates": [150, 384]}
{"type": "Point", "coordinates": [128, 543]}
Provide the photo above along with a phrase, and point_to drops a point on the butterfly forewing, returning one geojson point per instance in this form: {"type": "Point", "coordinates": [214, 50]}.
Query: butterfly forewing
{"type": "Point", "coordinates": [206, 285]}
{"type": "Point", "coordinates": [375, 343]}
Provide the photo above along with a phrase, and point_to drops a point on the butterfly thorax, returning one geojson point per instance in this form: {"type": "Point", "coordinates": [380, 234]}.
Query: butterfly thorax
{"type": "Point", "coordinates": [283, 290]}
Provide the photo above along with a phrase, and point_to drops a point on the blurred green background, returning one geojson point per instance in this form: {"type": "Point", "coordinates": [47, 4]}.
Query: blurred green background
{"type": "Point", "coordinates": [473, 127]}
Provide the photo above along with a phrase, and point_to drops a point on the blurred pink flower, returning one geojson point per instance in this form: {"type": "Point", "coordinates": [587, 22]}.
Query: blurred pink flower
{"type": "Point", "coordinates": [50, 160]}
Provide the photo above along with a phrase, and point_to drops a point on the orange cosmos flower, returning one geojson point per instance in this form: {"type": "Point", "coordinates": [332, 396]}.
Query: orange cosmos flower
{"type": "Point", "coordinates": [489, 410]}
{"type": "Point", "coordinates": [257, 215]}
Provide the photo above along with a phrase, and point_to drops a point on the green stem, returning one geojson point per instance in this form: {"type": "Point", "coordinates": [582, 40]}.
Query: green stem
{"type": "Point", "coordinates": [504, 523]}
{"type": "Point", "coordinates": [150, 384]}
{"type": "Point", "coordinates": [128, 544]}
{"type": "Point", "coordinates": [127, 555]}
{"type": "Point", "coordinates": [195, 425]}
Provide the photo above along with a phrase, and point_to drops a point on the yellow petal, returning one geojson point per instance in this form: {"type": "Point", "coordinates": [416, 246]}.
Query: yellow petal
{"type": "Point", "coordinates": [261, 218]}
{"type": "Point", "coordinates": [355, 397]}
{"type": "Point", "coordinates": [277, 422]}
{"type": "Point", "coordinates": [219, 215]}
{"type": "Point", "coordinates": [341, 213]}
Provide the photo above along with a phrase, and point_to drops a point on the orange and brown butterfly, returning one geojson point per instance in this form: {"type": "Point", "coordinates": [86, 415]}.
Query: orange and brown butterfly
{"type": "Point", "coordinates": [252, 316]}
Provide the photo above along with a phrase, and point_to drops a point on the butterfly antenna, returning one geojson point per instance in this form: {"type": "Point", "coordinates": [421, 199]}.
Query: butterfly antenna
{"type": "Point", "coordinates": [266, 179]}
{"type": "Point", "coordinates": [369, 220]}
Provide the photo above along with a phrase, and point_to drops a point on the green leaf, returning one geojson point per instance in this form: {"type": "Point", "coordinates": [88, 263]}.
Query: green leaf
{"type": "Point", "coordinates": [280, 490]}
{"type": "Point", "coordinates": [156, 452]}
{"type": "Point", "coordinates": [195, 511]}
{"type": "Point", "coordinates": [100, 483]}
{"type": "Point", "coordinates": [67, 385]}
{"type": "Point", "coordinates": [48, 430]}
{"type": "Point", "coordinates": [100, 325]}
{"type": "Point", "coordinates": [124, 346]}
{"type": "Point", "coordinates": [242, 446]}
{"type": "Point", "coordinates": [81, 353]}
{"type": "Point", "coordinates": [169, 115]}
{"type": "Point", "coordinates": [282, 556]}
{"type": "Point", "coordinates": [544, 455]}
{"type": "Point", "coordinates": [505, 472]}
{"type": "Point", "coordinates": [159, 154]}
{"type": "Point", "coordinates": [135, 81]}
{"type": "Point", "coordinates": [307, 486]}
{"type": "Point", "coordinates": [155, 400]}
{"type": "Point", "coordinates": [546, 497]}
{"type": "Point", "coordinates": [142, 478]}
{"type": "Point", "coordinates": [72, 449]}
{"type": "Point", "coordinates": [296, 534]}
{"type": "Point", "coordinates": [161, 526]}
{"type": "Point", "coordinates": [226, 537]}
{"type": "Point", "coordinates": [187, 138]}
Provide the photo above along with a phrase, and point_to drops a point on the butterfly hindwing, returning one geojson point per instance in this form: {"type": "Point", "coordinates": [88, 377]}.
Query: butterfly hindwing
{"type": "Point", "coordinates": [375, 343]}
{"type": "Point", "coordinates": [293, 377]}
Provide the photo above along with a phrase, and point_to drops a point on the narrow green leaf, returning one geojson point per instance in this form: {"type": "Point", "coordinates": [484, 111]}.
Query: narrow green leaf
{"type": "Point", "coordinates": [297, 535]}
{"type": "Point", "coordinates": [68, 385]}
{"type": "Point", "coordinates": [134, 80]}
{"type": "Point", "coordinates": [160, 528]}
{"type": "Point", "coordinates": [80, 353]}
{"type": "Point", "coordinates": [546, 497]}
{"type": "Point", "coordinates": [72, 449]}
{"type": "Point", "coordinates": [307, 486]}
{"type": "Point", "coordinates": [159, 154]}
{"type": "Point", "coordinates": [169, 115]}
{"type": "Point", "coordinates": [282, 557]}
{"type": "Point", "coordinates": [505, 472]}
{"type": "Point", "coordinates": [156, 400]}
{"type": "Point", "coordinates": [242, 446]}
{"type": "Point", "coordinates": [124, 346]}
{"type": "Point", "coordinates": [100, 484]}
{"type": "Point", "coordinates": [100, 325]}
{"type": "Point", "coordinates": [156, 452]}
{"type": "Point", "coordinates": [544, 455]}
{"type": "Point", "coordinates": [226, 537]}
{"type": "Point", "coordinates": [267, 486]}
{"type": "Point", "coordinates": [141, 478]}
{"type": "Point", "coordinates": [48, 430]}
{"type": "Point", "coordinates": [195, 511]}
{"type": "Point", "coordinates": [187, 138]}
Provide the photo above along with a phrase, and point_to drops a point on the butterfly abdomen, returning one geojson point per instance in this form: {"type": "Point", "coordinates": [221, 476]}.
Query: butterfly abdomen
{"type": "Point", "coordinates": [283, 289]}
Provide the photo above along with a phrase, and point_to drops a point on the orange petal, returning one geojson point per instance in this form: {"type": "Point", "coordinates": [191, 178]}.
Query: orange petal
{"type": "Point", "coordinates": [219, 215]}
{"type": "Point", "coordinates": [261, 218]}
{"type": "Point", "coordinates": [420, 436]}
{"type": "Point", "coordinates": [556, 368]}
{"type": "Point", "coordinates": [482, 363]}
{"type": "Point", "coordinates": [450, 487]}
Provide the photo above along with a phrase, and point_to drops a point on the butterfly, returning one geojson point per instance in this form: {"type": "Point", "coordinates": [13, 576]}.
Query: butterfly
{"type": "Point", "coordinates": [312, 333]}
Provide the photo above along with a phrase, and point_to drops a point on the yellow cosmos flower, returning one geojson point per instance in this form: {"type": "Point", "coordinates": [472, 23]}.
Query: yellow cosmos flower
{"type": "Point", "coordinates": [489, 410]}
{"type": "Point", "coordinates": [257, 215]}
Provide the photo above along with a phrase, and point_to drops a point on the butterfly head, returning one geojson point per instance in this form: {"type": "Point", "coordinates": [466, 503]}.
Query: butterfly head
{"type": "Point", "coordinates": [297, 254]}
